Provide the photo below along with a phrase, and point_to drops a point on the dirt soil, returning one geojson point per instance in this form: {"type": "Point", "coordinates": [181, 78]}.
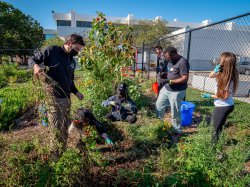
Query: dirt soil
{"type": "Point", "coordinates": [124, 156]}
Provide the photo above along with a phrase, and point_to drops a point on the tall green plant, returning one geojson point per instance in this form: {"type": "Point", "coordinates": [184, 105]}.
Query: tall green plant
{"type": "Point", "coordinates": [108, 51]}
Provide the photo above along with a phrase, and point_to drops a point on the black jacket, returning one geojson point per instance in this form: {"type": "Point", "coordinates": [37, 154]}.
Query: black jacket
{"type": "Point", "coordinates": [123, 108]}
{"type": "Point", "coordinates": [61, 68]}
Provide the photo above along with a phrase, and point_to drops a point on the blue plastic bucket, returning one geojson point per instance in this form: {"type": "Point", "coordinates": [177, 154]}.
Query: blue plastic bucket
{"type": "Point", "coordinates": [187, 109]}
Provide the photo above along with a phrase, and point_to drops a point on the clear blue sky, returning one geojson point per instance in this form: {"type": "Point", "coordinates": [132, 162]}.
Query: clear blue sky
{"type": "Point", "coordinates": [184, 10]}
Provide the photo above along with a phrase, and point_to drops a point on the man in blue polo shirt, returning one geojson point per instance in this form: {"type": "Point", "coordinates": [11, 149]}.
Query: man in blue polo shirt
{"type": "Point", "coordinates": [174, 90]}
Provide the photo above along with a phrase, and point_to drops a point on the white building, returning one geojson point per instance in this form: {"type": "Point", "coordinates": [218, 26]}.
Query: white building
{"type": "Point", "coordinates": [208, 43]}
{"type": "Point", "coordinates": [72, 22]}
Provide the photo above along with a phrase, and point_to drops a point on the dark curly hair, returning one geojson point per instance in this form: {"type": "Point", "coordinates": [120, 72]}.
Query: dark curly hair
{"type": "Point", "coordinates": [75, 39]}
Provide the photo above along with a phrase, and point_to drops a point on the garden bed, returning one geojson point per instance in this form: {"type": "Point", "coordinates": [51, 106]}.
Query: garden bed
{"type": "Point", "coordinates": [141, 155]}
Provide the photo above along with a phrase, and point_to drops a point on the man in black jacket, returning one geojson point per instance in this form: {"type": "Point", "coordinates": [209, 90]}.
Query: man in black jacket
{"type": "Point", "coordinates": [161, 68]}
{"type": "Point", "coordinates": [123, 107]}
{"type": "Point", "coordinates": [60, 80]}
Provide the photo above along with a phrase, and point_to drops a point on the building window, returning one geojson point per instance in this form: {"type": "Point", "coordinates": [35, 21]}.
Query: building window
{"type": "Point", "coordinates": [86, 24]}
{"type": "Point", "coordinates": [63, 23]}
{"type": "Point", "coordinates": [172, 29]}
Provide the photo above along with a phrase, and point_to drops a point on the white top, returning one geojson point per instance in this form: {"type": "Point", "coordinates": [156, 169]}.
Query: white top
{"type": "Point", "coordinates": [227, 102]}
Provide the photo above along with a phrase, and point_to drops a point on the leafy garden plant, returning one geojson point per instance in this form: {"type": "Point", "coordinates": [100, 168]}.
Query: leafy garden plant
{"type": "Point", "coordinates": [108, 50]}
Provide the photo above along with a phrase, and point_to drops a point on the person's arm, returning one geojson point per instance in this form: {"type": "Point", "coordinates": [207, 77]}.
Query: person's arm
{"type": "Point", "coordinates": [157, 65]}
{"type": "Point", "coordinates": [208, 95]}
{"type": "Point", "coordinates": [38, 58]}
{"type": "Point", "coordinates": [109, 101]}
{"type": "Point", "coordinates": [132, 105]}
{"type": "Point", "coordinates": [161, 65]}
{"type": "Point", "coordinates": [182, 79]}
{"type": "Point", "coordinates": [184, 72]}
{"type": "Point", "coordinates": [74, 90]}
{"type": "Point", "coordinates": [212, 74]}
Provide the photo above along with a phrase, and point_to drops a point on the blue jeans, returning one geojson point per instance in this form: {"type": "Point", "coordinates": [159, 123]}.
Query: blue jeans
{"type": "Point", "coordinates": [173, 99]}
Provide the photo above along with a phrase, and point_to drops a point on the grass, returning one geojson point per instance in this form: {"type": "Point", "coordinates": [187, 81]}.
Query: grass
{"type": "Point", "coordinates": [141, 156]}
{"type": "Point", "coordinates": [17, 98]}
{"type": "Point", "coordinates": [239, 117]}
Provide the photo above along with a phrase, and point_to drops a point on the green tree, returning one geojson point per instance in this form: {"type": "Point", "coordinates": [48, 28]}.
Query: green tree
{"type": "Point", "coordinates": [53, 41]}
{"type": "Point", "coordinates": [18, 31]}
{"type": "Point", "coordinates": [148, 31]}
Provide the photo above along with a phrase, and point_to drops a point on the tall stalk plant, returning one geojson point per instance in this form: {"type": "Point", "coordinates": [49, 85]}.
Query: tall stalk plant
{"type": "Point", "coordinates": [108, 51]}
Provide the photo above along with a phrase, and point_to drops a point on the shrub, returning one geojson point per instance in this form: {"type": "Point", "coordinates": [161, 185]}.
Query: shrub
{"type": "Point", "coordinates": [10, 73]}
{"type": "Point", "coordinates": [16, 99]}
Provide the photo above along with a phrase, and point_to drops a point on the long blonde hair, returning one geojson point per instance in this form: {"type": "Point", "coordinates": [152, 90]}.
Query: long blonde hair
{"type": "Point", "coordinates": [229, 73]}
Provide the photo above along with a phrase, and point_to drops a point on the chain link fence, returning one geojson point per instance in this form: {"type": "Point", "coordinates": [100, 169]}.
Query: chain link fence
{"type": "Point", "coordinates": [202, 47]}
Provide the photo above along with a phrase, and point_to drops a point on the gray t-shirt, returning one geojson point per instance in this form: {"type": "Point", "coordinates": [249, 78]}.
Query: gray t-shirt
{"type": "Point", "coordinates": [175, 70]}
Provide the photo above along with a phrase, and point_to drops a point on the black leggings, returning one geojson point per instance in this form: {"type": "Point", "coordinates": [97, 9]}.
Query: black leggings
{"type": "Point", "coordinates": [220, 115]}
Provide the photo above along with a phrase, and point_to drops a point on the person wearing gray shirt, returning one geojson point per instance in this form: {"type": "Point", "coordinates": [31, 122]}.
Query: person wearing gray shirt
{"type": "Point", "coordinates": [174, 90]}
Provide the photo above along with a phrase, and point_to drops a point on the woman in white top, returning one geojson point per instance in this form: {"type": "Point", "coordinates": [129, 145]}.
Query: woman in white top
{"type": "Point", "coordinates": [227, 79]}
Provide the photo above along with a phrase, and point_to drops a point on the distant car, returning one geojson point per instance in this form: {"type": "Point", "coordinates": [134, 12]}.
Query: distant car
{"type": "Point", "coordinates": [243, 67]}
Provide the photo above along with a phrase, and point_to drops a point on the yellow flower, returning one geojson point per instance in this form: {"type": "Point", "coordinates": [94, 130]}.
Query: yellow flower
{"type": "Point", "coordinates": [109, 23]}
{"type": "Point", "coordinates": [89, 82]}
{"type": "Point", "coordinates": [82, 60]}
{"type": "Point", "coordinates": [166, 124]}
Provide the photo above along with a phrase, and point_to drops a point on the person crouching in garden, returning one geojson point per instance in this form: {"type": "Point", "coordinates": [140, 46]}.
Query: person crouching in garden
{"type": "Point", "coordinates": [227, 80]}
{"type": "Point", "coordinates": [83, 118]}
{"type": "Point", "coordinates": [123, 107]}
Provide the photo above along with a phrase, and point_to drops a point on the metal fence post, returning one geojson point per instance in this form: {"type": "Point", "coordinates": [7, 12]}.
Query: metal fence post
{"type": "Point", "coordinates": [149, 54]}
{"type": "Point", "coordinates": [142, 60]}
{"type": "Point", "coordinates": [189, 44]}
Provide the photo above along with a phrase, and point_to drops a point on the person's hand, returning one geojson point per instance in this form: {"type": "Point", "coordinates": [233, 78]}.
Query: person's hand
{"type": "Point", "coordinates": [217, 68]}
{"type": "Point", "coordinates": [206, 95]}
{"type": "Point", "coordinates": [79, 96]}
{"type": "Point", "coordinates": [37, 69]}
{"type": "Point", "coordinates": [158, 69]}
{"type": "Point", "coordinates": [113, 103]}
{"type": "Point", "coordinates": [109, 142]}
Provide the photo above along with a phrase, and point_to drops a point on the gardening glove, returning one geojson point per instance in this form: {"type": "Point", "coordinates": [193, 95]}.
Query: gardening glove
{"type": "Point", "coordinates": [218, 68]}
{"type": "Point", "coordinates": [206, 95]}
{"type": "Point", "coordinates": [113, 103]}
{"type": "Point", "coordinates": [107, 140]}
